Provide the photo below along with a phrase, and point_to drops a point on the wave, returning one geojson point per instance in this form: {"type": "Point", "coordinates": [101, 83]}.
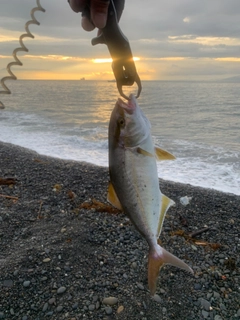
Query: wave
{"type": "Point", "coordinates": [197, 164]}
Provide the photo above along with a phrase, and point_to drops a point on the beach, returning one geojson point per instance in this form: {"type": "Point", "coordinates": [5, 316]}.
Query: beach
{"type": "Point", "coordinates": [63, 250]}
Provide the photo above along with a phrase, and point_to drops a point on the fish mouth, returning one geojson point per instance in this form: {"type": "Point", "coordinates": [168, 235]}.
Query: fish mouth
{"type": "Point", "coordinates": [129, 106]}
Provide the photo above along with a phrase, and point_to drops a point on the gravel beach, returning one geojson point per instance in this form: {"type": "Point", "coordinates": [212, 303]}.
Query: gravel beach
{"type": "Point", "coordinates": [65, 254]}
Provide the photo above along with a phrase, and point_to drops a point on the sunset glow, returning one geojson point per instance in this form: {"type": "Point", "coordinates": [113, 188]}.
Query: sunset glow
{"type": "Point", "coordinates": [192, 41]}
{"type": "Point", "coordinates": [107, 60]}
{"type": "Point", "coordinates": [209, 41]}
{"type": "Point", "coordinates": [228, 59]}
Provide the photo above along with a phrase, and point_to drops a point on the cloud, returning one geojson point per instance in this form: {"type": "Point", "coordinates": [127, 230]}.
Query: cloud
{"type": "Point", "coordinates": [186, 20]}
{"type": "Point", "coordinates": [171, 38]}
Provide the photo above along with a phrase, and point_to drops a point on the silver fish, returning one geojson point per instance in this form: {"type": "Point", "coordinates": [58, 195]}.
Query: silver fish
{"type": "Point", "coordinates": [134, 185]}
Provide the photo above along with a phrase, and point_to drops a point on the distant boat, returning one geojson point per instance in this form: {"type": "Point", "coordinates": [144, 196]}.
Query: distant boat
{"type": "Point", "coordinates": [82, 79]}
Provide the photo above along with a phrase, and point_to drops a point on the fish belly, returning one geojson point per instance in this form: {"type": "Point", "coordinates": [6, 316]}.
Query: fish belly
{"type": "Point", "coordinates": [135, 180]}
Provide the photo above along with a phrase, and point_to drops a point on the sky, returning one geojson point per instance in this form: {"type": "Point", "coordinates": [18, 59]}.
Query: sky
{"type": "Point", "coordinates": [172, 39]}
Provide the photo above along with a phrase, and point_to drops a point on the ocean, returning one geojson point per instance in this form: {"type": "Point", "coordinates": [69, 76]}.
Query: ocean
{"type": "Point", "coordinates": [199, 122]}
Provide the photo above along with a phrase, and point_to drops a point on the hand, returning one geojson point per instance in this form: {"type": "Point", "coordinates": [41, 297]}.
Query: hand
{"type": "Point", "coordinates": [94, 12]}
{"type": "Point", "coordinates": [97, 16]}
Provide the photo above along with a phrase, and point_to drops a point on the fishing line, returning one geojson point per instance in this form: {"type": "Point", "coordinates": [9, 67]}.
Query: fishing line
{"type": "Point", "coordinates": [17, 62]}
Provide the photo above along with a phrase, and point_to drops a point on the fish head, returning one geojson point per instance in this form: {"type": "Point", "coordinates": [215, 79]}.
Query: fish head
{"type": "Point", "coordinates": [128, 125]}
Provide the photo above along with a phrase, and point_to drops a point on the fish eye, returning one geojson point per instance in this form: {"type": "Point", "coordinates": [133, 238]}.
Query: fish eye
{"type": "Point", "coordinates": [121, 122]}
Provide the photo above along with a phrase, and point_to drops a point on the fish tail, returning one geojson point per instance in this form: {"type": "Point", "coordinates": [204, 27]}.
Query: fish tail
{"type": "Point", "coordinates": [156, 259]}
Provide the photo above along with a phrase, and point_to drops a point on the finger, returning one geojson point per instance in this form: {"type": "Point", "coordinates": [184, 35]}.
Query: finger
{"type": "Point", "coordinates": [99, 10]}
{"type": "Point", "coordinates": [86, 20]}
{"type": "Point", "coordinates": [77, 5]}
{"type": "Point", "coordinates": [87, 24]}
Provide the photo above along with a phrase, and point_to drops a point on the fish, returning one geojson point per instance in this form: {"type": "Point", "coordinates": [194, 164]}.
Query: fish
{"type": "Point", "coordinates": [134, 185]}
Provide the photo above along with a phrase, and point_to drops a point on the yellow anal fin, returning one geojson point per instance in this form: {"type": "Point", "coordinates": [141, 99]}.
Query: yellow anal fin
{"type": "Point", "coordinates": [163, 154]}
{"type": "Point", "coordinates": [156, 260]}
{"type": "Point", "coordinates": [165, 204]}
{"type": "Point", "coordinates": [113, 198]}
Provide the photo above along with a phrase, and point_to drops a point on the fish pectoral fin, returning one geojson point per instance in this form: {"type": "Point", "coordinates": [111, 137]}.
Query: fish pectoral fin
{"type": "Point", "coordinates": [144, 152]}
{"type": "Point", "coordinates": [113, 198]}
{"type": "Point", "coordinates": [155, 262]}
{"type": "Point", "coordinates": [163, 154]}
{"type": "Point", "coordinates": [165, 204]}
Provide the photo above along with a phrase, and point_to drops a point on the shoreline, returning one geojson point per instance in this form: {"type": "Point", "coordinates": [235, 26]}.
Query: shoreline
{"type": "Point", "coordinates": [59, 260]}
{"type": "Point", "coordinates": [28, 150]}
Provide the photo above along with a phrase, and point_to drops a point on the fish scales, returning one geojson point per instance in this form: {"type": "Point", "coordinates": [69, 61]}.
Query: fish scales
{"type": "Point", "coordinates": [136, 180]}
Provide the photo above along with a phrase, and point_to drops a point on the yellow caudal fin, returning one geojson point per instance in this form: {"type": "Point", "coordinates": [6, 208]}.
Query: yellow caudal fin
{"type": "Point", "coordinates": [113, 198]}
{"type": "Point", "coordinates": [156, 259]}
{"type": "Point", "coordinates": [163, 154]}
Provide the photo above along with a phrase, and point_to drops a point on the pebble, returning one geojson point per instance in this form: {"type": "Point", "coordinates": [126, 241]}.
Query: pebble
{"type": "Point", "coordinates": [91, 307]}
{"type": "Point", "coordinates": [197, 286]}
{"type": "Point", "coordinates": [26, 283]}
{"type": "Point", "coordinates": [8, 283]}
{"type": "Point", "coordinates": [140, 286]}
{"type": "Point", "coordinates": [52, 301]}
{"type": "Point", "coordinates": [205, 314]}
{"type": "Point", "coordinates": [157, 298]}
{"type": "Point", "coordinates": [119, 261]}
{"type": "Point", "coordinates": [108, 310]}
{"type": "Point", "coordinates": [95, 298]}
{"type": "Point", "coordinates": [61, 290]}
{"type": "Point", "coordinates": [46, 260]}
{"type": "Point", "coordinates": [59, 308]}
{"type": "Point", "coordinates": [222, 306]}
{"type": "Point", "coordinates": [33, 307]}
{"type": "Point", "coordinates": [43, 279]}
{"type": "Point", "coordinates": [209, 295]}
{"type": "Point", "coordinates": [110, 301]}
{"type": "Point", "coordinates": [120, 309]}
{"type": "Point", "coordinates": [45, 307]}
{"type": "Point", "coordinates": [164, 310]}
{"type": "Point", "coordinates": [205, 304]}
{"type": "Point", "coordinates": [75, 306]}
